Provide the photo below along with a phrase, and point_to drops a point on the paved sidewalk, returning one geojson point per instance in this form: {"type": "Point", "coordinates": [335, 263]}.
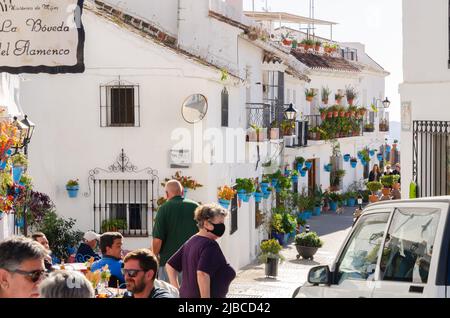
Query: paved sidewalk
{"type": "Point", "coordinates": [251, 281]}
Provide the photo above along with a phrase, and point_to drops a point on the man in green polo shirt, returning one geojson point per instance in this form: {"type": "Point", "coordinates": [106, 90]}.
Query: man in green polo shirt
{"type": "Point", "coordinates": [174, 225]}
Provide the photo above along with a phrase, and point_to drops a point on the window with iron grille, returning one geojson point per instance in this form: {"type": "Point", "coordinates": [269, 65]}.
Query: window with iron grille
{"type": "Point", "coordinates": [121, 205]}
{"type": "Point", "coordinates": [225, 108]}
{"type": "Point", "coordinates": [119, 105]}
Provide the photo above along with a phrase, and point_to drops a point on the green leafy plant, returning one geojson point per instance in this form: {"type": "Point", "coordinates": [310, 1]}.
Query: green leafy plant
{"type": "Point", "coordinates": [325, 94]}
{"type": "Point", "coordinates": [276, 223]}
{"type": "Point", "coordinates": [351, 93]}
{"type": "Point", "coordinates": [19, 160]}
{"type": "Point", "coordinates": [114, 225]}
{"type": "Point", "coordinates": [299, 161]}
{"type": "Point", "coordinates": [27, 181]}
{"type": "Point", "coordinates": [247, 185]}
{"type": "Point", "coordinates": [310, 93]}
{"type": "Point", "coordinates": [335, 197]}
{"type": "Point", "coordinates": [374, 186]}
{"type": "Point", "coordinates": [289, 223]}
{"type": "Point", "coordinates": [72, 183]}
{"type": "Point", "coordinates": [270, 249]}
{"type": "Point", "coordinates": [310, 239]}
{"type": "Point", "coordinates": [60, 234]}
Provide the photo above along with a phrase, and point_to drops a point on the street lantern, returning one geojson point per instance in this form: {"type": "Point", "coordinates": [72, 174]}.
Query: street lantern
{"type": "Point", "coordinates": [30, 130]}
{"type": "Point", "coordinates": [291, 112]}
{"type": "Point", "coordinates": [22, 132]}
{"type": "Point", "coordinates": [386, 103]}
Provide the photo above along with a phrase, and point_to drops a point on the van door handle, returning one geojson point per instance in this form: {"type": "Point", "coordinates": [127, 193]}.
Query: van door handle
{"type": "Point", "coordinates": [416, 289]}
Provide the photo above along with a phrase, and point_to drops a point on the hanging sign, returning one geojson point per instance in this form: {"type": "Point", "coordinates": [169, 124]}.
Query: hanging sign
{"type": "Point", "coordinates": [41, 36]}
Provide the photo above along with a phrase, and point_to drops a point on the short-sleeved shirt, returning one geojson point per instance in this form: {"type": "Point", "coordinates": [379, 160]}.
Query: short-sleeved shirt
{"type": "Point", "coordinates": [202, 254]}
{"type": "Point", "coordinates": [174, 225]}
{"type": "Point", "coordinates": [114, 266]}
{"type": "Point", "coordinates": [156, 293]}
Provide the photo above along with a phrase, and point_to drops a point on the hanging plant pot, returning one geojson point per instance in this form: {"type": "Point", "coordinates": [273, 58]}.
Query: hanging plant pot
{"type": "Point", "coordinates": [242, 195]}
{"type": "Point", "coordinates": [73, 191]}
{"type": "Point", "coordinates": [328, 167]}
{"type": "Point", "coordinates": [308, 165]}
{"type": "Point", "coordinates": [274, 183]}
{"type": "Point", "coordinates": [258, 197]}
{"type": "Point", "coordinates": [3, 165]}
{"type": "Point", "coordinates": [360, 156]}
{"type": "Point", "coordinates": [303, 172]}
{"type": "Point", "coordinates": [364, 163]}
{"type": "Point", "coordinates": [353, 164]}
{"type": "Point", "coordinates": [372, 153]}
{"type": "Point", "coordinates": [224, 203]}
{"type": "Point", "coordinates": [388, 148]}
{"type": "Point", "coordinates": [294, 179]}
{"type": "Point", "coordinates": [347, 158]}
{"type": "Point", "coordinates": [264, 187]}
{"type": "Point", "coordinates": [17, 174]}
{"type": "Point", "coordinates": [299, 167]}
{"type": "Point", "coordinates": [380, 157]}
{"type": "Point", "coordinates": [246, 197]}
{"type": "Point", "coordinates": [266, 195]}
{"type": "Point", "coordinates": [330, 115]}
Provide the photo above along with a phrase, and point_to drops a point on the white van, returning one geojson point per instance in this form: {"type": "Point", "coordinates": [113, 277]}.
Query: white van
{"type": "Point", "coordinates": [396, 249]}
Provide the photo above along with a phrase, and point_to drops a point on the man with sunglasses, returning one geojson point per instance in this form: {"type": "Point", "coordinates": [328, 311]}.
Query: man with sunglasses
{"type": "Point", "coordinates": [140, 269]}
{"type": "Point", "coordinates": [21, 267]}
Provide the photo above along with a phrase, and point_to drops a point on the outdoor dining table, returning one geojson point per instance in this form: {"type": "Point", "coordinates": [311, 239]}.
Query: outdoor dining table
{"type": "Point", "coordinates": [79, 267]}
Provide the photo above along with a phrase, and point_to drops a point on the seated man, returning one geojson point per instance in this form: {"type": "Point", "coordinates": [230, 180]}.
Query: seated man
{"type": "Point", "coordinates": [111, 248]}
{"type": "Point", "coordinates": [140, 269]}
{"type": "Point", "coordinates": [86, 250]}
{"type": "Point", "coordinates": [42, 239]}
{"type": "Point", "coordinates": [21, 267]}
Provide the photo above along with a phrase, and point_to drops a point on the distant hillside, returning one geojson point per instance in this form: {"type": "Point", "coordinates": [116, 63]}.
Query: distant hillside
{"type": "Point", "coordinates": [395, 130]}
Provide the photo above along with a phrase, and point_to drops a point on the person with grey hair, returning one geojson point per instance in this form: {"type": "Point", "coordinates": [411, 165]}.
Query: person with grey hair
{"type": "Point", "coordinates": [174, 225]}
{"type": "Point", "coordinates": [205, 271]}
{"type": "Point", "coordinates": [21, 267]}
{"type": "Point", "coordinates": [65, 284]}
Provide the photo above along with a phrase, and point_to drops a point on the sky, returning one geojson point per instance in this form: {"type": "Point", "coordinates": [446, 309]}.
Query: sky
{"type": "Point", "coordinates": [375, 23]}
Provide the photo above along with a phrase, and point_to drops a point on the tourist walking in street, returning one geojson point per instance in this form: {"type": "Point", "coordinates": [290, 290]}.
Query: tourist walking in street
{"type": "Point", "coordinates": [66, 284]}
{"type": "Point", "coordinates": [111, 248]}
{"type": "Point", "coordinates": [174, 225]}
{"type": "Point", "coordinates": [140, 270]}
{"type": "Point", "coordinates": [375, 174]}
{"type": "Point", "coordinates": [21, 267]}
{"type": "Point", "coordinates": [206, 273]}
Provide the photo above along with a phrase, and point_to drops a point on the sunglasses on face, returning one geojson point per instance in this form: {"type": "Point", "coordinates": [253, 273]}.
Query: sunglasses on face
{"type": "Point", "coordinates": [132, 272]}
{"type": "Point", "coordinates": [34, 276]}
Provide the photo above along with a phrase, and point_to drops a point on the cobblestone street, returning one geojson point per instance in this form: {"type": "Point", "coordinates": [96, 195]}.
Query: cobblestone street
{"type": "Point", "coordinates": [252, 283]}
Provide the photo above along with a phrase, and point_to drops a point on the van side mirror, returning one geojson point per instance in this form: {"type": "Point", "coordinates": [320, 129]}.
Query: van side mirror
{"type": "Point", "coordinates": [319, 275]}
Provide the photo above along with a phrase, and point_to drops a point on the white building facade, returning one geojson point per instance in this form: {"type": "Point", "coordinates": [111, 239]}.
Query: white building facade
{"type": "Point", "coordinates": [153, 56]}
{"type": "Point", "coordinates": [425, 119]}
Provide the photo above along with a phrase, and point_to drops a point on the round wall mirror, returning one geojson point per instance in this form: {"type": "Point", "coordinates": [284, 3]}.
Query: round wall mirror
{"type": "Point", "coordinates": [194, 108]}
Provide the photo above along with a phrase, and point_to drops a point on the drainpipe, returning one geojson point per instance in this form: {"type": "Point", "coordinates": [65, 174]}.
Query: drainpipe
{"type": "Point", "coordinates": [178, 22]}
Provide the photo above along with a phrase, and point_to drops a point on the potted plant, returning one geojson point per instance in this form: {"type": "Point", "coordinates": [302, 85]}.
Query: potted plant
{"type": "Point", "coordinates": [318, 200]}
{"type": "Point", "coordinates": [325, 95]}
{"type": "Point", "coordinates": [351, 94]}
{"type": "Point", "coordinates": [225, 195]}
{"type": "Point", "coordinates": [328, 167]}
{"type": "Point", "coordinates": [245, 189]}
{"type": "Point", "coordinates": [265, 183]}
{"type": "Point", "coordinates": [294, 176]}
{"type": "Point", "coordinates": [334, 198]}
{"type": "Point", "coordinates": [299, 162]}
{"type": "Point", "coordinates": [188, 183]}
{"type": "Point", "coordinates": [374, 187]}
{"type": "Point", "coordinates": [308, 44]}
{"type": "Point", "coordinates": [310, 94]}
{"type": "Point", "coordinates": [318, 44]}
{"type": "Point", "coordinates": [294, 44]}
{"type": "Point", "coordinates": [270, 255]}
{"type": "Point", "coordinates": [351, 198]}
{"type": "Point", "coordinates": [114, 225]}
{"type": "Point", "coordinates": [388, 182]}
{"type": "Point", "coordinates": [277, 229]}
{"type": "Point", "coordinates": [369, 128]}
{"type": "Point", "coordinates": [274, 131]}
{"type": "Point", "coordinates": [336, 179]}
{"type": "Point", "coordinates": [347, 157]}
{"type": "Point", "coordinates": [288, 127]}
{"type": "Point", "coordinates": [72, 187]}
{"type": "Point", "coordinates": [338, 98]}
{"type": "Point", "coordinates": [19, 162]}
{"type": "Point", "coordinates": [307, 245]}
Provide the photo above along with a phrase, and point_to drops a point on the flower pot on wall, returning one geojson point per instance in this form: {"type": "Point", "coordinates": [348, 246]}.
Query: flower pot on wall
{"type": "Point", "coordinates": [17, 173]}
{"type": "Point", "coordinates": [224, 203]}
{"type": "Point", "coordinates": [73, 191]}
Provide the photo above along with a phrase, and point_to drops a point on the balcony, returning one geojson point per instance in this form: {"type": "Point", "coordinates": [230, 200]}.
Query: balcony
{"type": "Point", "coordinates": [321, 128]}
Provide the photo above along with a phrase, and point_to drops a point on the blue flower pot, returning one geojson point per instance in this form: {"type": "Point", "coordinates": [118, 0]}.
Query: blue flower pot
{"type": "Point", "coordinates": [351, 202]}
{"type": "Point", "coordinates": [308, 165]}
{"type": "Point", "coordinates": [327, 168]}
{"type": "Point", "coordinates": [274, 182]}
{"type": "Point", "coordinates": [20, 223]}
{"type": "Point", "coordinates": [3, 165]}
{"type": "Point", "coordinates": [380, 157]}
{"type": "Point", "coordinates": [303, 173]}
{"type": "Point", "coordinates": [364, 163]}
{"type": "Point", "coordinates": [266, 195]}
{"type": "Point", "coordinates": [246, 197]}
{"type": "Point", "coordinates": [280, 237]}
{"type": "Point", "coordinates": [388, 149]}
{"type": "Point", "coordinates": [9, 152]}
{"type": "Point", "coordinates": [224, 203]}
{"type": "Point", "coordinates": [299, 167]}
{"type": "Point", "coordinates": [264, 187]}
{"type": "Point", "coordinates": [72, 191]}
{"type": "Point", "coordinates": [333, 206]}
{"type": "Point", "coordinates": [347, 158]}
{"type": "Point", "coordinates": [294, 179]}
{"type": "Point", "coordinates": [286, 172]}
{"type": "Point", "coordinates": [372, 153]}
{"type": "Point", "coordinates": [317, 211]}
{"type": "Point", "coordinates": [17, 174]}
{"type": "Point", "coordinates": [241, 195]}
{"type": "Point", "coordinates": [258, 197]}
{"type": "Point", "coordinates": [360, 156]}
{"type": "Point", "coordinates": [308, 214]}
{"type": "Point", "coordinates": [301, 216]}
{"type": "Point", "coordinates": [353, 164]}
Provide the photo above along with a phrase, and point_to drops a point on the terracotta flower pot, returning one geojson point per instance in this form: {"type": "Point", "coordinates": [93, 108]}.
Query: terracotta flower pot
{"type": "Point", "coordinates": [350, 102]}
{"type": "Point", "coordinates": [317, 48]}
{"type": "Point", "coordinates": [386, 191]}
{"type": "Point", "coordinates": [373, 198]}
{"type": "Point", "coordinates": [323, 116]}
{"type": "Point", "coordinates": [309, 98]}
{"type": "Point", "coordinates": [338, 101]}
{"type": "Point", "coordinates": [336, 114]}
{"type": "Point", "coordinates": [330, 115]}
{"type": "Point", "coordinates": [353, 113]}
{"type": "Point", "coordinates": [396, 186]}
{"type": "Point", "coordinates": [342, 114]}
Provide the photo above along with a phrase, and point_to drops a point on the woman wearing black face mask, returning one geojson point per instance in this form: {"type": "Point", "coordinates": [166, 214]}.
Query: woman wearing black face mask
{"type": "Point", "coordinates": [206, 273]}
